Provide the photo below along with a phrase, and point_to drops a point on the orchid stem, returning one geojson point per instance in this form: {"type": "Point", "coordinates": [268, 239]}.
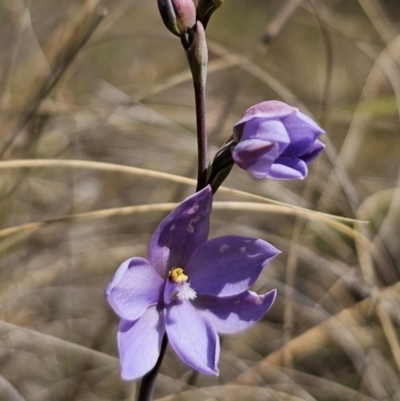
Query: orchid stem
{"type": "Point", "coordinates": [149, 380]}
{"type": "Point", "coordinates": [199, 93]}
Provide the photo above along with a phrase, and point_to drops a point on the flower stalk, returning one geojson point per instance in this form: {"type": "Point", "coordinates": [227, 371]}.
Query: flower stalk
{"type": "Point", "coordinates": [149, 379]}
{"type": "Point", "coordinates": [199, 91]}
{"type": "Point", "coordinates": [197, 55]}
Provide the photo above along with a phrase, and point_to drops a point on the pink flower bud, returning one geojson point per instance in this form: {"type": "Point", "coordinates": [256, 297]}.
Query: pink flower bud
{"type": "Point", "coordinates": [178, 15]}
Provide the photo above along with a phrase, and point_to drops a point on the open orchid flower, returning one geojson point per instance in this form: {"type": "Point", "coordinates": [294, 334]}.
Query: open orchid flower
{"type": "Point", "coordinates": [276, 141]}
{"type": "Point", "coordinates": [189, 288]}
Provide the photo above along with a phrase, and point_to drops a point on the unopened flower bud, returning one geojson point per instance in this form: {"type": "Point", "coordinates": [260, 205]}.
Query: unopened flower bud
{"type": "Point", "coordinates": [275, 140]}
{"type": "Point", "coordinates": [178, 15]}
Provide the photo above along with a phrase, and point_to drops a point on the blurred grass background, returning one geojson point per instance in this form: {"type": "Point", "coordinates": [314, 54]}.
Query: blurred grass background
{"type": "Point", "coordinates": [115, 91]}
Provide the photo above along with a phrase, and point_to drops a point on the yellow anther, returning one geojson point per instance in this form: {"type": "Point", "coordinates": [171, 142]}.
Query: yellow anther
{"type": "Point", "coordinates": [177, 276]}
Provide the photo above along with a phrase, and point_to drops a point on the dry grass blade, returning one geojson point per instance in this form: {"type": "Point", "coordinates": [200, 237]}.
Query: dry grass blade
{"type": "Point", "coordinates": [378, 18]}
{"type": "Point", "coordinates": [185, 76]}
{"type": "Point", "coordinates": [257, 72]}
{"type": "Point", "coordinates": [61, 62]}
{"type": "Point", "coordinates": [166, 207]}
{"type": "Point", "coordinates": [320, 386]}
{"type": "Point", "coordinates": [384, 66]}
{"type": "Point", "coordinates": [368, 270]}
{"type": "Point", "coordinates": [99, 214]}
{"type": "Point", "coordinates": [8, 392]}
{"type": "Point", "coordinates": [13, 337]}
{"type": "Point", "coordinates": [314, 338]}
{"type": "Point", "coordinates": [234, 392]}
{"type": "Point", "coordinates": [91, 165]}
{"type": "Point", "coordinates": [281, 19]}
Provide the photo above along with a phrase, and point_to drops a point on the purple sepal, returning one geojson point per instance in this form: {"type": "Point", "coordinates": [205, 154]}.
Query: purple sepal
{"type": "Point", "coordinates": [288, 168]}
{"type": "Point", "coordinates": [228, 265]}
{"type": "Point", "coordinates": [181, 232]}
{"type": "Point", "coordinates": [134, 287]}
{"type": "Point", "coordinates": [235, 313]}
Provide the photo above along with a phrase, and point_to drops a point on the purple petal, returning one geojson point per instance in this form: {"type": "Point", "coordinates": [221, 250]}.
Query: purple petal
{"type": "Point", "coordinates": [261, 143]}
{"type": "Point", "coordinates": [236, 313]}
{"type": "Point", "coordinates": [316, 148]}
{"type": "Point", "coordinates": [303, 132]}
{"type": "Point", "coordinates": [228, 265]}
{"type": "Point", "coordinates": [139, 344]}
{"type": "Point", "coordinates": [268, 110]}
{"type": "Point", "coordinates": [271, 131]}
{"type": "Point", "coordinates": [134, 287]}
{"type": "Point", "coordinates": [288, 168]}
{"type": "Point", "coordinates": [181, 232]}
{"type": "Point", "coordinates": [255, 156]}
{"type": "Point", "coordinates": [192, 337]}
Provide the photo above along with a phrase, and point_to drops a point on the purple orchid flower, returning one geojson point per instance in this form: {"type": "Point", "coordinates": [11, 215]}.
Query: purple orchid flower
{"type": "Point", "coordinates": [189, 288]}
{"type": "Point", "coordinates": [276, 140]}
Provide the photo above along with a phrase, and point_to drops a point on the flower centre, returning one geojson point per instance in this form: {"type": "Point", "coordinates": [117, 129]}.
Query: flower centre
{"type": "Point", "coordinates": [177, 276]}
{"type": "Point", "coordinates": [183, 290]}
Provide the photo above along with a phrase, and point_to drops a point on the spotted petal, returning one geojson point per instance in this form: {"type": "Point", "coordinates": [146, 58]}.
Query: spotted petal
{"type": "Point", "coordinates": [235, 313]}
{"type": "Point", "coordinates": [228, 265]}
{"type": "Point", "coordinates": [181, 232]}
